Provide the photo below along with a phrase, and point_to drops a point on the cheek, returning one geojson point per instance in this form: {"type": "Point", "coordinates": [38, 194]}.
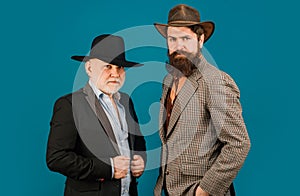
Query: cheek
{"type": "Point", "coordinates": [171, 47]}
{"type": "Point", "coordinates": [123, 76]}
{"type": "Point", "coordinates": [193, 47]}
{"type": "Point", "coordinates": [97, 76]}
{"type": "Point", "coordinates": [171, 51]}
{"type": "Point", "coordinates": [102, 83]}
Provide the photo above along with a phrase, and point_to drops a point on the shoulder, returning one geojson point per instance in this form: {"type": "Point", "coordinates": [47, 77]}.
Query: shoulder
{"type": "Point", "coordinates": [216, 79]}
{"type": "Point", "coordinates": [68, 97]}
{"type": "Point", "coordinates": [213, 74]}
{"type": "Point", "coordinates": [124, 95]}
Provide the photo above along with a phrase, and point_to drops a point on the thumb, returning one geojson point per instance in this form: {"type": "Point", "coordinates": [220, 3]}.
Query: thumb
{"type": "Point", "coordinates": [135, 157]}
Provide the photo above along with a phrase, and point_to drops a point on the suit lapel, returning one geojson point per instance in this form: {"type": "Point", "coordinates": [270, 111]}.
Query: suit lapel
{"type": "Point", "coordinates": [183, 98]}
{"type": "Point", "coordinates": [101, 115]}
{"type": "Point", "coordinates": [126, 102]}
{"type": "Point", "coordinates": [162, 114]}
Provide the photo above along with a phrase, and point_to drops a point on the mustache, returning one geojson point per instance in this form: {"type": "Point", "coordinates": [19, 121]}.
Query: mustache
{"type": "Point", "coordinates": [179, 52]}
{"type": "Point", "coordinates": [114, 80]}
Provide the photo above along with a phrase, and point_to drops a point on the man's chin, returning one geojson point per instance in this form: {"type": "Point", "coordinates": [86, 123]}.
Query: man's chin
{"type": "Point", "coordinates": [112, 90]}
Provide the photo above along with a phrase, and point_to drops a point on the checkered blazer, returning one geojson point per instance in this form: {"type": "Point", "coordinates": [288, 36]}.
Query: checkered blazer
{"type": "Point", "coordinates": [206, 142]}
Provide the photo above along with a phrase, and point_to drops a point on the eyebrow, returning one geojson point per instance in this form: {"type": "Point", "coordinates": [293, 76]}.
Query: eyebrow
{"type": "Point", "coordinates": [171, 36]}
{"type": "Point", "coordinates": [185, 36]}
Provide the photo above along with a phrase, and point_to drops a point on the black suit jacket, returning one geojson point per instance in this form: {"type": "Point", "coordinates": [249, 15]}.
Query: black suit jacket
{"type": "Point", "coordinates": [81, 142]}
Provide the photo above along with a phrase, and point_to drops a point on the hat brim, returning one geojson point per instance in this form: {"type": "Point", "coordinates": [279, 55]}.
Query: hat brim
{"type": "Point", "coordinates": [208, 27]}
{"type": "Point", "coordinates": [114, 61]}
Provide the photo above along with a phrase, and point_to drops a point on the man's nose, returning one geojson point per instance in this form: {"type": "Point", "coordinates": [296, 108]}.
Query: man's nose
{"type": "Point", "coordinates": [115, 72]}
{"type": "Point", "coordinates": [179, 45]}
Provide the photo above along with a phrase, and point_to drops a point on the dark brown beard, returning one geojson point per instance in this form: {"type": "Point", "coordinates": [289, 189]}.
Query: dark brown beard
{"type": "Point", "coordinates": [181, 66]}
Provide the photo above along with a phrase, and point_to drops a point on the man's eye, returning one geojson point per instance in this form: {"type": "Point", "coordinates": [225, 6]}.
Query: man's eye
{"type": "Point", "coordinates": [185, 38]}
{"type": "Point", "coordinates": [108, 66]}
{"type": "Point", "coordinates": [172, 39]}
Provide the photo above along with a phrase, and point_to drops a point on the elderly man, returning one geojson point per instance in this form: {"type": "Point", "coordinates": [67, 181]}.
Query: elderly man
{"type": "Point", "coordinates": [204, 138]}
{"type": "Point", "coordinates": [95, 140]}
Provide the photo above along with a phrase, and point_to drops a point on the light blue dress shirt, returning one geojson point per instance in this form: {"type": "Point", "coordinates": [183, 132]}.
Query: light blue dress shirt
{"type": "Point", "coordinates": [120, 129]}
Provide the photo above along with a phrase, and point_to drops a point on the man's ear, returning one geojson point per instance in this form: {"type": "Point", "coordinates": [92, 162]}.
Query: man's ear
{"type": "Point", "coordinates": [201, 40]}
{"type": "Point", "coordinates": [88, 68]}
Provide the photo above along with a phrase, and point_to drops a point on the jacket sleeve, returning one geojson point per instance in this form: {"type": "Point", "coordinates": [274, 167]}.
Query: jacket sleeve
{"type": "Point", "coordinates": [226, 115]}
{"type": "Point", "coordinates": [62, 153]}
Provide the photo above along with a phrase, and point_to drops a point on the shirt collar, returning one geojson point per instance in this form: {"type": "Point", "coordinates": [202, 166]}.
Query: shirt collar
{"type": "Point", "coordinates": [99, 93]}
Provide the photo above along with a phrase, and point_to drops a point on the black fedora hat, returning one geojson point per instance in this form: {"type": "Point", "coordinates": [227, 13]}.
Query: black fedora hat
{"type": "Point", "coordinates": [110, 49]}
{"type": "Point", "coordinates": [183, 16]}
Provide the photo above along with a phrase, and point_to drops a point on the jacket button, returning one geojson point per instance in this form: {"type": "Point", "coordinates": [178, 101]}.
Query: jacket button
{"type": "Point", "coordinates": [167, 172]}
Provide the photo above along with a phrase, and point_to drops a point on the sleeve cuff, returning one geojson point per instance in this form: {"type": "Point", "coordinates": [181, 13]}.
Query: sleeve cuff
{"type": "Point", "coordinates": [112, 168]}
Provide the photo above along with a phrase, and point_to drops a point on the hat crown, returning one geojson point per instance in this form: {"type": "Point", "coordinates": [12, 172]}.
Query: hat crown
{"type": "Point", "coordinates": [183, 13]}
{"type": "Point", "coordinates": [184, 16]}
{"type": "Point", "coordinates": [109, 47]}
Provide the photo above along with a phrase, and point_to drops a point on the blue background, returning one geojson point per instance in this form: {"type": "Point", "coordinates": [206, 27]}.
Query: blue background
{"type": "Point", "coordinates": [256, 42]}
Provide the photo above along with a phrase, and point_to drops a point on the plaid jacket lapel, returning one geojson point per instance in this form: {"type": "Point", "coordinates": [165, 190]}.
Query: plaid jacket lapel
{"type": "Point", "coordinates": [162, 115]}
{"type": "Point", "coordinates": [184, 96]}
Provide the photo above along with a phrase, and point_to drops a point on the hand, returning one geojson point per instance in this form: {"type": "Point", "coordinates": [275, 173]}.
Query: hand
{"type": "Point", "coordinates": [137, 166]}
{"type": "Point", "coordinates": [121, 166]}
{"type": "Point", "coordinates": [200, 192]}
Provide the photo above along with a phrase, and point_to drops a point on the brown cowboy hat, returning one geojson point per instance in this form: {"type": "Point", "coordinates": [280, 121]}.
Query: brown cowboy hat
{"type": "Point", "coordinates": [110, 49]}
{"type": "Point", "coordinates": [183, 16]}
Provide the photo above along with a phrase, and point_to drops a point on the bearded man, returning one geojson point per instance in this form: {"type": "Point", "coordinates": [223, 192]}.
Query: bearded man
{"type": "Point", "coordinates": [204, 138]}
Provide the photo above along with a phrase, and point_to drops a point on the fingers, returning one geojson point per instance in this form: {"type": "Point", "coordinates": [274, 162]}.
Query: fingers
{"type": "Point", "coordinates": [201, 192]}
{"type": "Point", "coordinates": [137, 159]}
{"type": "Point", "coordinates": [137, 174]}
{"type": "Point", "coordinates": [137, 163]}
{"type": "Point", "coordinates": [137, 166]}
{"type": "Point", "coordinates": [121, 162]}
{"type": "Point", "coordinates": [121, 166]}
